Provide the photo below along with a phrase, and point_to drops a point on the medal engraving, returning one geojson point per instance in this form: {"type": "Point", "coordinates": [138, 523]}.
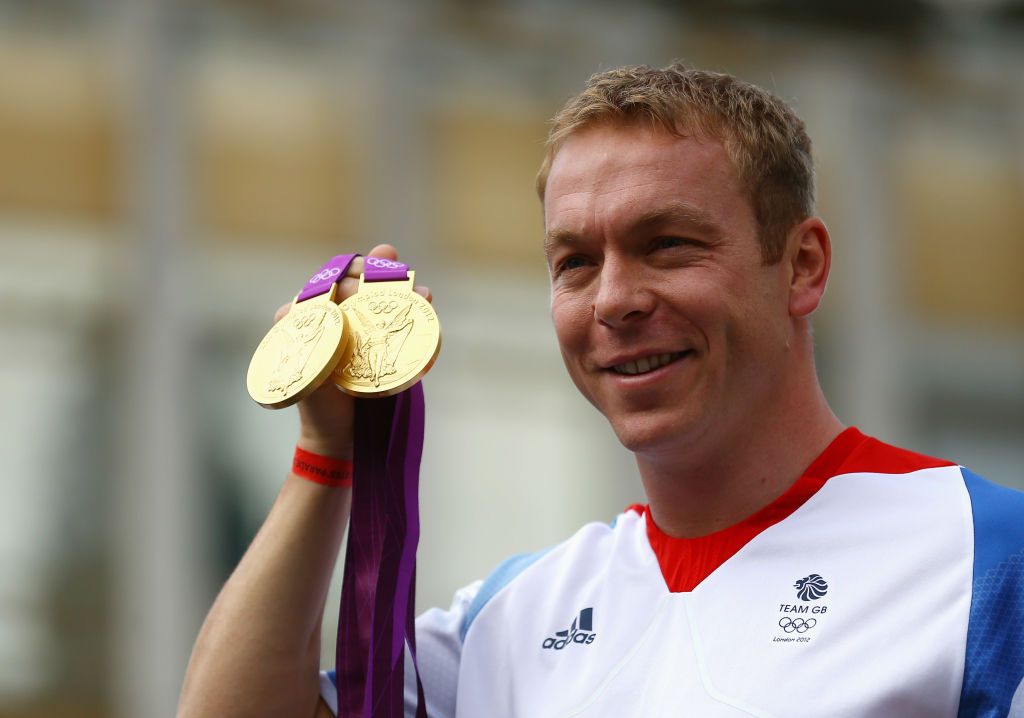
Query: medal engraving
{"type": "Point", "coordinates": [394, 338]}
{"type": "Point", "coordinates": [297, 354]}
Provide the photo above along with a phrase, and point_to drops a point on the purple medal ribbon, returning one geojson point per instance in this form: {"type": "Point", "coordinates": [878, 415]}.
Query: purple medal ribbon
{"type": "Point", "coordinates": [377, 618]}
{"type": "Point", "coordinates": [319, 283]}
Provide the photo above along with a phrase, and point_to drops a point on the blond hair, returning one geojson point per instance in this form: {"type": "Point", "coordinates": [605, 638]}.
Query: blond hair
{"type": "Point", "coordinates": [765, 140]}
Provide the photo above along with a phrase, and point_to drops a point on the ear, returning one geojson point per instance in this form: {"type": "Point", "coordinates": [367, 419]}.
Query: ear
{"type": "Point", "coordinates": [809, 253]}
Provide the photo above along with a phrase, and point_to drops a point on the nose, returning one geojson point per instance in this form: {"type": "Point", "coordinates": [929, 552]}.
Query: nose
{"type": "Point", "coordinates": [622, 295]}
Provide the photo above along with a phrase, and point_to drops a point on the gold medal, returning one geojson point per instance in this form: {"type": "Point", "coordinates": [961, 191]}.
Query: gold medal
{"type": "Point", "coordinates": [298, 353]}
{"type": "Point", "coordinates": [393, 339]}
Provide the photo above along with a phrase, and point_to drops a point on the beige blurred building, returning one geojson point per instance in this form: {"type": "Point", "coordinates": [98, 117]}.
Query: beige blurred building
{"type": "Point", "coordinates": [171, 172]}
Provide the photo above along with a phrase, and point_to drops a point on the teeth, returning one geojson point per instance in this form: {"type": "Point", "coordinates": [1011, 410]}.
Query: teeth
{"type": "Point", "coordinates": [645, 364]}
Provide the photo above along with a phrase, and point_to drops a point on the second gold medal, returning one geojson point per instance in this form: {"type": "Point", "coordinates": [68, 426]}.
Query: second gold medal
{"type": "Point", "coordinates": [394, 333]}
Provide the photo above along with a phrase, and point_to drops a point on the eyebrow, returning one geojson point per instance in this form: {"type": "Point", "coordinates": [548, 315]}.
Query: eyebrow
{"type": "Point", "coordinates": [679, 213]}
{"type": "Point", "coordinates": [668, 214]}
{"type": "Point", "coordinates": [556, 238]}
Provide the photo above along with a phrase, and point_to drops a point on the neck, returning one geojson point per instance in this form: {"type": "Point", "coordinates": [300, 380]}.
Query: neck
{"type": "Point", "coordinates": [730, 472]}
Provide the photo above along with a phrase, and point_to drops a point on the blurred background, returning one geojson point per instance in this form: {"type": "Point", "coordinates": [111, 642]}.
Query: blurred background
{"type": "Point", "coordinates": [170, 172]}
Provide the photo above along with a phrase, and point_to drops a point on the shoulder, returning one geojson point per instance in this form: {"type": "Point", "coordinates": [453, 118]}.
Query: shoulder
{"type": "Point", "coordinates": [994, 656]}
{"type": "Point", "coordinates": [998, 514]}
{"type": "Point", "coordinates": [590, 546]}
{"type": "Point", "coordinates": [855, 453]}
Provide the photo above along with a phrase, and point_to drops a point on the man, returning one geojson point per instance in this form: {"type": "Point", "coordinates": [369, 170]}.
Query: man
{"type": "Point", "coordinates": [784, 566]}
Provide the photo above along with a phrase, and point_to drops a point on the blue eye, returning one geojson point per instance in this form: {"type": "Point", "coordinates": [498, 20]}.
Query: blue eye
{"type": "Point", "coordinates": [572, 263]}
{"type": "Point", "coordinates": [668, 242]}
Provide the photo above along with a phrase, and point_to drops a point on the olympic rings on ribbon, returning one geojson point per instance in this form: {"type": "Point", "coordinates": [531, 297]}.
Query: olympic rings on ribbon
{"type": "Point", "coordinates": [325, 275]}
{"type": "Point", "coordinates": [384, 263]}
{"type": "Point", "coordinates": [800, 625]}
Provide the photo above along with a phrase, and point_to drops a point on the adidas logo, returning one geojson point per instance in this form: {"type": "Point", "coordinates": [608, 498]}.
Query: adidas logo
{"type": "Point", "coordinates": [581, 631]}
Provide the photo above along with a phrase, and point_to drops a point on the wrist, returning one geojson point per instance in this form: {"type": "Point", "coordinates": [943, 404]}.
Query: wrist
{"type": "Point", "coordinates": [330, 447]}
{"type": "Point", "coordinates": [324, 470]}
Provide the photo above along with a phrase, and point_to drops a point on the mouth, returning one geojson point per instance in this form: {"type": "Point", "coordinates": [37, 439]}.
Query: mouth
{"type": "Point", "coordinates": [645, 365]}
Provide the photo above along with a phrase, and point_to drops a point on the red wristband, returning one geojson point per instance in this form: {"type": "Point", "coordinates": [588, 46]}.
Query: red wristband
{"type": "Point", "coordinates": [322, 469]}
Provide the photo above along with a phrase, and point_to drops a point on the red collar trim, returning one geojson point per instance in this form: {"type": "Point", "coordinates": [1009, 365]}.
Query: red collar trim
{"type": "Point", "coordinates": [686, 562]}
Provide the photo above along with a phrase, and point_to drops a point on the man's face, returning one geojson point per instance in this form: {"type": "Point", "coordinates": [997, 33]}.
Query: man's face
{"type": "Point", "coordinates": [667, 318]}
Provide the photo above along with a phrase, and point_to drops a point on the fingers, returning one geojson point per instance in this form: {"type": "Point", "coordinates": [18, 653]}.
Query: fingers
{"type": "Point", "coordinates": [384, 251]}
{"type": "Point", "coordinates": [282, 311]}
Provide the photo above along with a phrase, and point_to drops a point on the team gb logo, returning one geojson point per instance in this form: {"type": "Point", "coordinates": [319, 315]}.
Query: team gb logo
{"type": "Point", "coordinates": [811, 588]}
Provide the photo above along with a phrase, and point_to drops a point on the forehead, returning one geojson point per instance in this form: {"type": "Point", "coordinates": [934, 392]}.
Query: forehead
{"type": "Point", "coordinates": [614, 173]}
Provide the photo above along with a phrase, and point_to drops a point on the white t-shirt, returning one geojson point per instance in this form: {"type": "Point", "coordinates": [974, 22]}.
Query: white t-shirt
{"type": "Point", "coordinates": [882, 584]}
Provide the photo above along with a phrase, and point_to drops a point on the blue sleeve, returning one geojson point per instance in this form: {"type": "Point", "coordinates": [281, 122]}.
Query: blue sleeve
{"type": "Point", "coordinates": [499, 578]}
{"type": "Point", "coordinates": [994, 659]}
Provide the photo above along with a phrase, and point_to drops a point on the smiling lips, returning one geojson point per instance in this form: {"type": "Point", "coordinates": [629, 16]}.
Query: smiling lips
{"type": "Point", "coordinates": [646, 364]}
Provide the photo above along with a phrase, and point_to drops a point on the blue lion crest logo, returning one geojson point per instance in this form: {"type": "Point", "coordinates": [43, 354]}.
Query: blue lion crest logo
{"type": "Point", "coordinates": [811, 588]}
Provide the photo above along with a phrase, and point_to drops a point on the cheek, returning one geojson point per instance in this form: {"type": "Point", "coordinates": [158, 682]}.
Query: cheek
{"type": "Point", "coordinates": [571, 318]}
{"type": "Point", "coordinates": [572, 323]}
{"type": "Point", "coordinates": [706, 305]}
{"type": "Point", "coordinates": [761, 329]}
